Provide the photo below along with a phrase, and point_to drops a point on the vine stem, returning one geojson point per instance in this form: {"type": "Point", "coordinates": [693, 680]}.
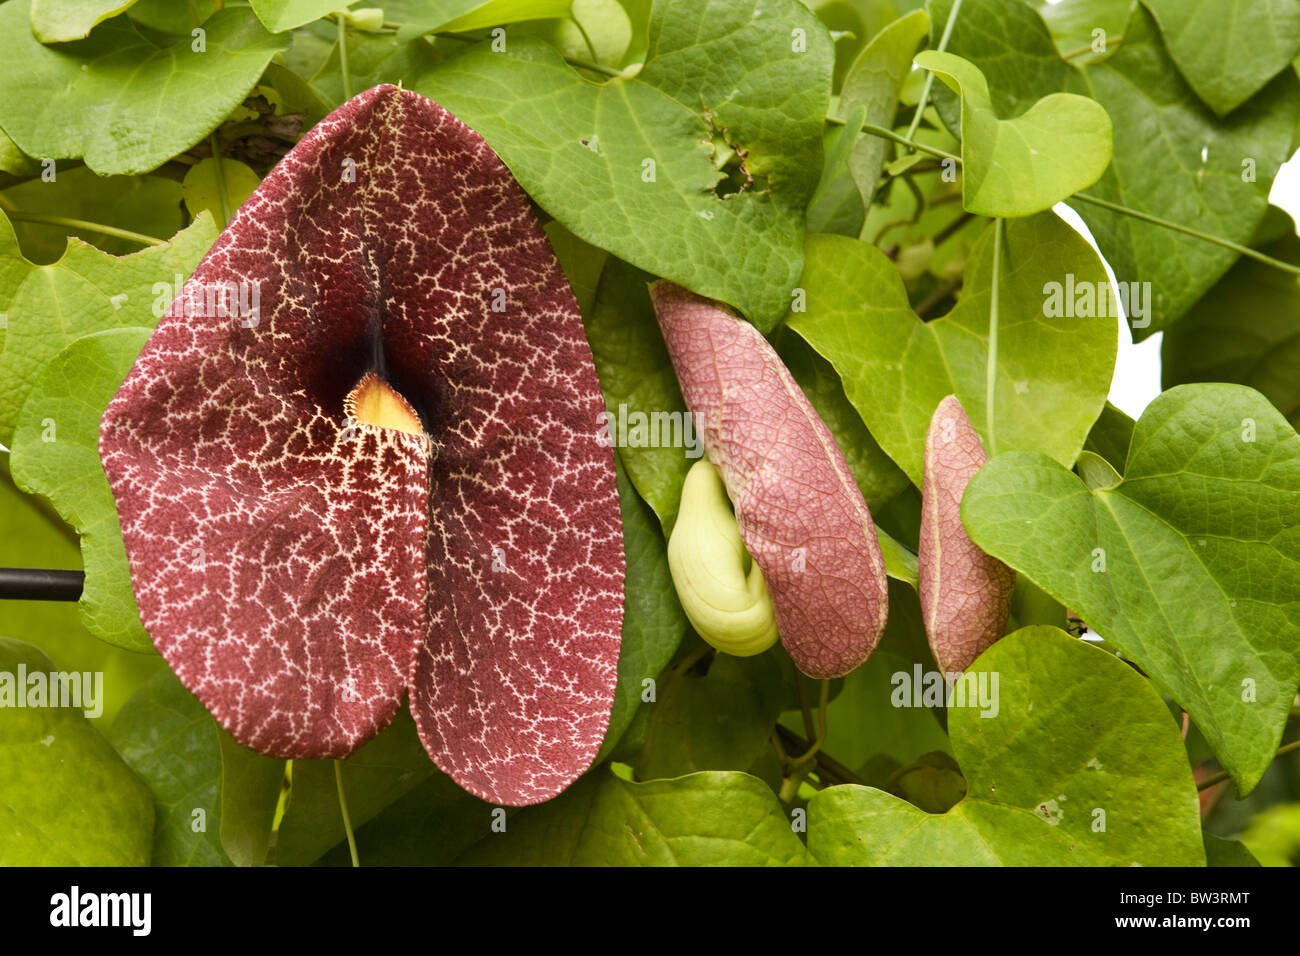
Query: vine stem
{"type": "Point", "coordinates": [822, 723]}
{"type": "Point", "coordinates": [1104, 204]}
{"type": "Point", "coordinates": [991, 372]}
{"type": "Point", "coordinates": [17, 216]}
{"type": "Point", "coordinates": [343, 805]}
{"type": "Point", "coordinates": [1223, 775]}
{"type": "Point", "coordinates": [929, 77]}
{"type": "Point", "coordinates": [343, 54]}
{"type": "Point", "coordinates": [222, 194]}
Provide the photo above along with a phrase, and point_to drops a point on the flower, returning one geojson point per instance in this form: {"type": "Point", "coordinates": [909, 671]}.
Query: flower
{"type": "Point", "coordinates": [359, 457]}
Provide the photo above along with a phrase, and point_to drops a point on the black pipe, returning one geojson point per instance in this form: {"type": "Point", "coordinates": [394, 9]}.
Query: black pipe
{"type": "Point", "coordinates": [38, 584]}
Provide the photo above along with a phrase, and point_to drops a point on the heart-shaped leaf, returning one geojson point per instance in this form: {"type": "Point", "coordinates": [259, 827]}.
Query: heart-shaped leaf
{"type": "Point", "coordinates": [66, 797]}
{"type": "Point", "coordinates": [300, 557]}
{"type": "Point", "coordinates": [1190, 565]}
{"type": "Point", "coordinates": [47, 307]}
{"type": "Point", "coordinates": [1020, 166]}
{"type": "Point", "coordinates": [56, 455]}
{"type": "Point", "coordinates": [1071, 758]}
{"type": "Point", "coordinates": [118, 99]}
{"type": "Point", "coordinates": [1228, 49]}
{"type": "Point", "coordinates": [698, 169]}
{"type": "Point", "coordinates": [1053, 372]}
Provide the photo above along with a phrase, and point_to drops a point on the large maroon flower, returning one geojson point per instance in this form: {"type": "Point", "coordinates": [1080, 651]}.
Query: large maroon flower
{"type": "Point", "coordinates": [300, 565]}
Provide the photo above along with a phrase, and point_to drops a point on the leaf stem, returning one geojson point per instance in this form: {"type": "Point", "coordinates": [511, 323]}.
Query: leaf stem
{"type": "Point", "coordinates": [822, 722]}
{"type": "Point", "coordinates": [343, 805]}
{"type": "Point", "coordinates": [1189, 231]}
{"type": "Point", "coordinates": [889, 134]}
{"type": "Point", "coordinates": [991, 369]}
{"type": "Point", "coordinates": [929, 76]}
{"type": "Point", "coordinates": [343, 54]}
{"type": "Point", "coordinates": [828, 768]}
{"type": "Point", "coordinates": [16, 216]}
{"type": "Point", "coordinates": [222, 194]}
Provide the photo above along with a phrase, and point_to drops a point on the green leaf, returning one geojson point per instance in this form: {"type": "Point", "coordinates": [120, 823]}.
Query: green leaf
{"type": "Point", "coordinates": [1220, 852]}
{"type": "Point", "coordinates": [1017, 167]}
{"type": "Point", "coordinates": [166, 736]}
{"type": "Point", "coordinates": [116, 98]}
{"type": "Point", "coordinates": [1164, 173]}
{"type": "Point", "coordinates": [150, 205]}
{"type": "Point", "coordinates": [1053, 373]}
{"type": "Point", "coordinates": [583, 264]}
{"type": "Point", "coordinates": [33, 537]}
{"type": "Point", "coordinates": [628, 165]}
{"type": "Point", "coordinates": [1245, 330]}
{"type": "Point", "coordinates": [875, 81]}
{"type": "Point", "coordinates": [14, 160]}
{"type": "Point", "coordinates": [66, 797]}
{"type": "Point", "coordinates": [1273, 837]}
{"type": "Point", "coordinates": [705, 819]}
{"type": "Point", "coordinates": [653, 621]}
{"type": "Point", "coordinates": [1111, 435]}
{"type": "Point", "coordinates": [281, 15]}
{"type": "Point", "coordinates": [1073, 25]}
{"type": "Point", "coordinates": [250, 794]}
{"type": "Point", "coordinates": [373, 58]}
{"type": "Point", "coordinates": [1079, 741]}
{"type": "Point", "coordinates": [56, 454]}
{"type": "Point", "coordinates": [878, 478]}
{"type": "Point", "coordinates": [637, 378]}
{"type": "Point", "coordinates": [1190, 566]}
{"type": "Point", "coordinates": [202, 190]}
{"type": "Point", "coordinates": [430, 826]}
{"type": "Point", "coordinates": [56, 21]}
{"type": "Point", "coordinates": [47, 307]}
{"type": "Point", "coordinates": [168, 16]}
{"type": "Point", "coordinates": [721, 721]}
{"type": "Point", "coordinates": [1227, 50]}
{"type": "Point", "coordinates": [385, 769]}
{"type": "Point", "coordinates": [456, 16]}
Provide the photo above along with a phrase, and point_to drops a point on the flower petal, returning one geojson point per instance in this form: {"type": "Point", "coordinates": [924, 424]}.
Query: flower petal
{"type": "Point", "coordinates": [391, 241]}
